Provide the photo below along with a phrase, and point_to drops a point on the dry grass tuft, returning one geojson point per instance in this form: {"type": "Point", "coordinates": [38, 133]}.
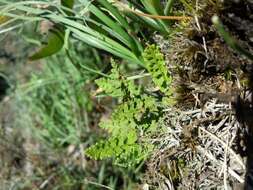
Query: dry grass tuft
{"type": "Point", "coordinates": [204, 145]}
{"type": "Point", "coordinates": [198, 149]}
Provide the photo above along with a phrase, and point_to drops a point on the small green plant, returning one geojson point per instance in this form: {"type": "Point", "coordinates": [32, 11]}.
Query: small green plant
{"type": "Point", "coordinates": [54, 105]}
{"type": "Point", "coordinates": [155, 64]}
{"type": "Point", "coordinates": [101, 24]}
{"type": "Point", "coordinates": [98, 24]}
{"type": "Point", "coordinates": [136, 118]}
{"type": "Point", "coordinates": [56, 101]}
{"type": "Point", "coordinates": [130, 119]}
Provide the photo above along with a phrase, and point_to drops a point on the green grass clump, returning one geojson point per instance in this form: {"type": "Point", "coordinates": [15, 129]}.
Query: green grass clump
{"type": "Point", "coordinates": [57, 101]}
{"type": "Point", "coordinates": [99, 29]}
{"type": "Point", "coordinates": [54, 106]}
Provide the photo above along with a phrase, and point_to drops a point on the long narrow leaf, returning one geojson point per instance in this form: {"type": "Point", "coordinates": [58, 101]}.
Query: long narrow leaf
{"type": "Point", "coordinates": [69, 4]}
{"type": "Point", "coordinates": [115, 12]}
{"type": "Point", "coordinates": [85, 29]}
{"type": "Point", "coordinates": [104, 44]}
{"type": "Point", "coordinates": [229, 39]}
{"type": "Point", "coordinates": [154, 7]}
{"type": "Point", "coordinates": [148, 22]}
{"type": "Point", "coordinates": [168, 7]}
{"type": "Point", "coordinates": [115, 26]}
{"type": "Point", "coordinates": [54, 44]}
{"type": "Point", "coordinates": [122, 20]}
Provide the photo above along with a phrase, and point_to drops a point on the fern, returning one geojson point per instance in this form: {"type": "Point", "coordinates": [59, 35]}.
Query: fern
{"type": "Point", "coordinates": [155, 64]}
{"type": "Point", "coordinates": [117, 85]}
{"type": "Point", "coordinates": [136, 116]}
{"type": "Point", "coordinates": [128, 121]}
{"type": "Point", "coordinates": [123, 146]}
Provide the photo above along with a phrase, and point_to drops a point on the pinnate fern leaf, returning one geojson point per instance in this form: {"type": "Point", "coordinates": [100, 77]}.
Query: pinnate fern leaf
{"type": "Point", "coordinates": [123, 145]}
{"type": "Point", "coordinates": [128, 121]}
{"type": "Point", "coordinates": [136, 115]}
{"type": "Point", "coordinates": [155, 64]}
{"type": "Point", "coordinates": [116, 84]}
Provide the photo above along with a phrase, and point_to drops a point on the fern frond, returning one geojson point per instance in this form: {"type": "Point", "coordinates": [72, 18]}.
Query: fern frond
{"type": "Point", "coordinates": [155, 64]}
{"type": "Point", "coordinates": [138, 114]}
{"type": "Point", "coordinates": [117, 85]}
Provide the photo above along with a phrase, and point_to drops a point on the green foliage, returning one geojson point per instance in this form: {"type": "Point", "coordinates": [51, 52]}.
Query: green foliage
{"type": "Point", "coordinates": [135, 116]}
{"type": "Point", "coordinates": [54, 44]}
{"type": "Point", "coordinates": [116, 85]}
{"type": "Point", "coordinates": [55, 107]}
{"type": "Point", "coordinates": [56, 100]}
{"type": "Point", "coordinates": [68, 3]}
{"type": "Point", "coordinates": [155, 64]}
{"type": "Point", "coordinates": [109, 32]}
{"type": "Point", "coordinates": [55, 36]}
{"type": "Point", "coordinates": [152, 7]}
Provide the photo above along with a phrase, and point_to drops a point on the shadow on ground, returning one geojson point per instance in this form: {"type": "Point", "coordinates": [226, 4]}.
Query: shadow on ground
{"type": "Point", "coordinates": [244, 113]}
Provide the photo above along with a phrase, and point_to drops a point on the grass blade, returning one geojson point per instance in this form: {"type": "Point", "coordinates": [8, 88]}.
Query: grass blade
{"type": "Point", "coordinates": [229, 39]}
{"type": "Point", "coordinates": [55, 44]}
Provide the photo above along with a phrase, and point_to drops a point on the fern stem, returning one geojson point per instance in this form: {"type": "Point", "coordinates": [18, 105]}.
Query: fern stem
{"type": "Point", "coordinates": [139, 76]}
